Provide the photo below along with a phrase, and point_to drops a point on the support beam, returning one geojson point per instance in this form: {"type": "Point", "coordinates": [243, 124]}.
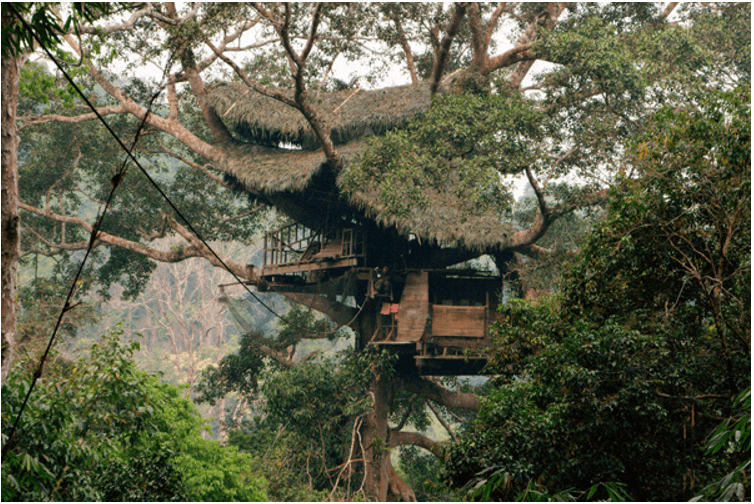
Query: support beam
{"type": "Point", "coordinates": [339, 313]}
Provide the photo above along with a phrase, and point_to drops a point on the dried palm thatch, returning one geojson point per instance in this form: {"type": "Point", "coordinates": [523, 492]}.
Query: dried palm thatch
{"type": "Point", "coordinates": [268, 170]}
{"type": "Point", "coordinates": [444, 220]}
{"type": "Point", "coordinates": [351, 114]}
{"type": "Point", "coordinates": [264, 168]}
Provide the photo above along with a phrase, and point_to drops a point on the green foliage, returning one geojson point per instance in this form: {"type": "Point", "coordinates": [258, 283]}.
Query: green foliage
{"type": "Point", "coordinates": [41, 300]}
{"type": "Point", "coordinates": [80, 423]}
{"type": "Point", "coordinates": [44, 24]}
{"type": "Point", "coordinates": [239, 371]}
{"type": "Point", "coordinates": [676, 241]}
{"type": "Point", "coordinates": [309, 412]}
{"type": "Point", "coordinates": [39, 87]}
{"type": "Point", "coordinates": [99, 429]}
{"type": "Point", "coordinates": [236, 372]}
{"type": "Point", "coordinates": [74, 182]}
{"type": "Point", "coordinates": [620, 379]}
{"type": "Point", "coordinates": [464, 141]}
{"type": "Point", "coordinates": [733, 437]}
{"type": "Point", "coordinates": [421, 471]}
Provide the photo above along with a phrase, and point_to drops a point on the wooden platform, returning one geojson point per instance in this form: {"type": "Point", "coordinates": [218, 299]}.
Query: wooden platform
{"type": "Point", "coordinates": [301, 267]}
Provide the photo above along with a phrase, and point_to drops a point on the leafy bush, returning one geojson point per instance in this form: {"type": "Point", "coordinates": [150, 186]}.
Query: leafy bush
{"type": "Point", "coordinates": [99, 429]}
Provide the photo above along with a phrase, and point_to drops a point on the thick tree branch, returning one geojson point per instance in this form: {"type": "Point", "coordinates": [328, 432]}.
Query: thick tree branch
{"type": "Point", "coordinates": [401, 438]}
{"type": "Point", "coordinates": [668, 10]}
{"type": "Point", "coordinates": [145, 11]}
{"type": "Point", "coordinates": [188, 62]}
{"type": "Point", "coordinates": [171, 256]}
{"type": "Point", "coordinates": [548, 20]}
{"type": "Point", "coordinates": [174, 114]}
{"type": "Point", "coordinates": [339, 313]}
{"type": "Point", "coordinates": [173, 128]}
{"type": "Point", "coordinates": [195, 249]}
{"type": "Point", "coordinates": [478, 36]}
{"type": "Point", "coordinates": [297, 63]}
{"type": "Point", "coordinates": [443, 52]}
{"type": "Point", "coordinates": [439, 394]}
{"type": "Point", "coordinates": [492, 23]}
{"type": "Point", "coordinates": [240, 270]}
{"type": "Point", "coordinates": [509, 57]}
{"type": "Point", "coordinates": [406, 49]}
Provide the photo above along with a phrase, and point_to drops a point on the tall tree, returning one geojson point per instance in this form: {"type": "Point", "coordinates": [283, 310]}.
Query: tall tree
{"type": "Point", "coordinates": [622, 378]}
{"type": "Point", "coordinates": [18, 40]}
{"type": "Point", "coordinates": [609, 67]}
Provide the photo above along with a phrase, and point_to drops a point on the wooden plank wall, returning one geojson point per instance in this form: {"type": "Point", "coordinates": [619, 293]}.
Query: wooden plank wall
{"type": "Point", "coordinates": [459, 321]}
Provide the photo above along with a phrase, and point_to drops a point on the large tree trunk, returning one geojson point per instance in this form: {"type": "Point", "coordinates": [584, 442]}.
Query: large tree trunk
{"type": "Point", "coordinates": [11, 250]}
{"type": "Point", "coordinates": [375, 437]}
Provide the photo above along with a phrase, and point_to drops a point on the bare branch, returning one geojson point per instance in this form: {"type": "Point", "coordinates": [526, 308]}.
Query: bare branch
{"type": "Point", "coordinates": [26, 121]}
{"type": "Point", "coordinates": [223, 45]}
{"type": "Point", "coordinates": [252, 83]}
{"type": "Point", "coordinates": [147, 10]}
{"type": "Point", "coordinates": [312, 35]}
{"type": "Point", "coordinates": [442, 421]}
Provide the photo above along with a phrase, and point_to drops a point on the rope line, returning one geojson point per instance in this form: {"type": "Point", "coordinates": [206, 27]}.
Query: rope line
{"type": "Point", "coordinates": [116, 180]}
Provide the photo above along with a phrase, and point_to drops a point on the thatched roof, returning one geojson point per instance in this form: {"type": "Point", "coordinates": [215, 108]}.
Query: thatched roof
{"type": "Point", "coordinates": [266, 170]}
{"type": "Point", "coordinates": [351, 114]}
{"type": "Point", "coordinates": [272, 171]}
{"type": "Point", "coordinates": [443, 220]}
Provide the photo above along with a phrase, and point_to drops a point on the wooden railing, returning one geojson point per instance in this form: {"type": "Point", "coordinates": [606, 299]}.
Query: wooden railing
{"type": "Point", "coordinates": [298, 244]}
{"type": "Point", "coordinates": [287, 245]}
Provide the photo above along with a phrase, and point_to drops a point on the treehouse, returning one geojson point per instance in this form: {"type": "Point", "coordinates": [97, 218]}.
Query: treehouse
{"type": "Point", "coordinates": [400, 280]}
{"type": "Point", "coordinates": [439, 317]}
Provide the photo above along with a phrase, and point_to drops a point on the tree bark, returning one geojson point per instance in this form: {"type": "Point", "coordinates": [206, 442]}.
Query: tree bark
{"type": "Point", "coordinates": [375, 434]}
{"type": "Point", "coordinates": [11, 248]}
{"type": "Point", "coordinates": [441, 395]}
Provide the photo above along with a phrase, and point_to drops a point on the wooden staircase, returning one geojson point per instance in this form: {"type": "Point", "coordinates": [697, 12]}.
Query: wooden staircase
{"type": "Point", "coordinates": [414, 308]}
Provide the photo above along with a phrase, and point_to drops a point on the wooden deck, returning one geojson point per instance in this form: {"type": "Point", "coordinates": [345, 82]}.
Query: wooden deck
{"type": "Point", "coordinates": [301, 267]}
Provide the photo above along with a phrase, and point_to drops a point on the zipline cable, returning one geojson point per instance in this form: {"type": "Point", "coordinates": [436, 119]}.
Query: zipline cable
{"type": "Point", "coordinates": [159, 189]}
{"type": "Point", "coordinates": [117, 179]}
{"type": "Point", "coordinates": [115, 182]}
